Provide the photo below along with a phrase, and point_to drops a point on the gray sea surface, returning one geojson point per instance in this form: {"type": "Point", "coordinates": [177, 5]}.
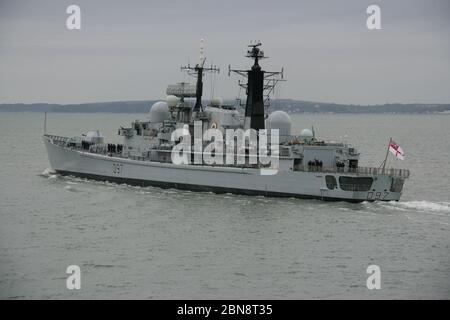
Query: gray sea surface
{"type": "Point", "coordinates": [150, 243]}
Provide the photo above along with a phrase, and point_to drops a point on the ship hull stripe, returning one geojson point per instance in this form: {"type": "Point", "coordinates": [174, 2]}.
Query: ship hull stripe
{"type": "Point", "coordinates": [201, 188]}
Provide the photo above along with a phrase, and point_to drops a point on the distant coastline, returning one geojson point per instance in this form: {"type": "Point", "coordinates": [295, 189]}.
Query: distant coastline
{"type": "Point", "coordinates": [288, 105]}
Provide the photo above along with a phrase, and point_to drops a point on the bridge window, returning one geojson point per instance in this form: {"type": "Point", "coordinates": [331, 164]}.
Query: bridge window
{"type": "Point", "coordinates": [355, 183]}
{"type": "Point", "coordinates": [331, 182]}
{"type": "Point", "coordinates": [297, 164]}
{"type": "Point", "coordinates": [352, 164]}
{"type": "Point", "coordinates": [397, 185]}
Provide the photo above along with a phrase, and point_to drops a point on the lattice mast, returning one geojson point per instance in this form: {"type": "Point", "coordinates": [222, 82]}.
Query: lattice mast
{"type": "Point", "coordinates": [198, 72]}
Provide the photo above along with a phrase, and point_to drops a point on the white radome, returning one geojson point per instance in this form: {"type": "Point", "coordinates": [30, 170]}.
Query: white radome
{"type": "Point", "coordinates": [172, 101]}
{"type": "Point", "coordinates": [282, 121]}
{"type": "Point", "coordinates": [159, 112]}
{"type": "Point", "coordinates": [216, 102]}
{"type": "Point", "coordinates": [306, 134]}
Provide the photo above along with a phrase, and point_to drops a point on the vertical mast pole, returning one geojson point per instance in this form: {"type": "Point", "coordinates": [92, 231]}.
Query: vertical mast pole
{"type": "Point", "coordinates": [45, 123]}
{"type": "Point", "coordinates": [199, 88]}
{"type": "Point", "coordinates": [387, 153]}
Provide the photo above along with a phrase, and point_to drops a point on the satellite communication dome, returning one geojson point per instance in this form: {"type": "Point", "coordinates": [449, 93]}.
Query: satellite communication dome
{"type": "Point", "coordinates": [172, 101]}
{"type": "Point", "coordinates": [159, 112]}
{"type": "Point", "coordinates": [306, 135]}
{"type": "Point", "coordinates": [94, 136]}
{"type": "Point", "coordinates": [282, 121]}
{"type": "Point", "coordinates": [216, 102]}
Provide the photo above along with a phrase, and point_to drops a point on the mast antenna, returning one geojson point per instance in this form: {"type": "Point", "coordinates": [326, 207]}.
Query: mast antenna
{"type": "Point", "coordinates": [202, 56]}
{"type": "Point", "coordinates": [260, 85]}
{"type": "Point", "coordinates": [198, 71]}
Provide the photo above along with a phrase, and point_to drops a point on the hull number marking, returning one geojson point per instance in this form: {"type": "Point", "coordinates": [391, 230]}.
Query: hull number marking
{"type": "Point", "coordinates": [377, 195]}
{"type": "Point", "coordinates": [117, 168]}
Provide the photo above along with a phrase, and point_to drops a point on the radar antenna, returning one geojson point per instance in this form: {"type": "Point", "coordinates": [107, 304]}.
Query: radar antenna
{"type": "Point", "coordinates": [198, 71]}
{"type": "Point", "coordinates": [260, 85]}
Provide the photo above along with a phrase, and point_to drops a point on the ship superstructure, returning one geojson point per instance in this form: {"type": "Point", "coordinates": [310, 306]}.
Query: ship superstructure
{"type": "Point", "coordinates": [306, 166]}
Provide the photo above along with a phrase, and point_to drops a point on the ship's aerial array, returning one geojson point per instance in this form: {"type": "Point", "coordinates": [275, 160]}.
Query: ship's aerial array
{"type": "Point", "coordinates": [224, 148]}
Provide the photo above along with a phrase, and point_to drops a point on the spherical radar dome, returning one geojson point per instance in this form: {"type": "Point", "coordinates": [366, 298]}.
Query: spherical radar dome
{"type": "Point", "coordinates": [159, 112]}
{"type": "Point", "coordinates": [280, 120]}
{"type": "Point", "coordinates": [172, 101]}
{"type": "Point", "coordinates": [279, 117]}
{"type": "Point", "coordinates": [306, 134]}
{"type": "Point", "coordinates": [216, 102]}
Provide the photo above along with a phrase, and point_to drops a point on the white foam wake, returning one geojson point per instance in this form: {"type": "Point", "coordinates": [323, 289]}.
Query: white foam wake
{"type": "Point", "coordinates": [424, 206]}
{"type": "Point", "coordinates": [49, 173]}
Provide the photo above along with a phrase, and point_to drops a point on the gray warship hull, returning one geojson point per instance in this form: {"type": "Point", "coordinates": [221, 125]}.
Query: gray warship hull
{"type": "Point", "coordinates": [218, 179]}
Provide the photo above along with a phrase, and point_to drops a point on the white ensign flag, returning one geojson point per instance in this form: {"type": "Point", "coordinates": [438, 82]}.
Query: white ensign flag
{"type": "Point", "coordinates": [396, 150]}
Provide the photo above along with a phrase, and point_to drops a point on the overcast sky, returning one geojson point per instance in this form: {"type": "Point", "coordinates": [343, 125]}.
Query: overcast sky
{"type": "Point", "coordinates": [131, 50]}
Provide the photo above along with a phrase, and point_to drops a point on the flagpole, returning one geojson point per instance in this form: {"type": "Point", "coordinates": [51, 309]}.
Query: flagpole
{"type": "Point", "coordinates": [45, 123]}
{"type": "Point", "coordinates": [387, 153]}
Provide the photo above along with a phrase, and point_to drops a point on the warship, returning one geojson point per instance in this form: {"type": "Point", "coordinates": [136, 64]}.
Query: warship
{"type": "Point", "coordinates": [305, 166]}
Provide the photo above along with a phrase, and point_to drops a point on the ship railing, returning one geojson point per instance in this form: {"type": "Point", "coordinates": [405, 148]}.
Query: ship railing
{"type": "Point", "coordinates": [294, 139]}
{"type": "Point", "coordinates": [65, 142]}
{"type": "Point", "coordinates": [394, 172]}
{"type": "Point", "coordinates": [57, 139]}
{"type": "Point", "coordinates": [374, 171]}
